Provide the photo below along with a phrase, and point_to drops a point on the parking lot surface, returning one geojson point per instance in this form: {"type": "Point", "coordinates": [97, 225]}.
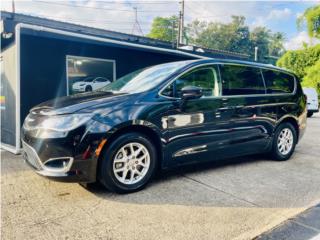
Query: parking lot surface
{"type": "Point", "coordinates": [236, 199]}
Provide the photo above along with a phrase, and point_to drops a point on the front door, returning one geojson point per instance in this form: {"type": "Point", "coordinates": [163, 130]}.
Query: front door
{"type": "Point", "coordinates": [198, 127]}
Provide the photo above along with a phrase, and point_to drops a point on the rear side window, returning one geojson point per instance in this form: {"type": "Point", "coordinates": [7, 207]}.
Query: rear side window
{"type": "Point", "coordinates": [241, 80]}
{"type": "Point", "coordinates": [278, 82]}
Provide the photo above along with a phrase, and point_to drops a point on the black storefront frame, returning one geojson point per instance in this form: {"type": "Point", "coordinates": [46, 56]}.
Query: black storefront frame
{"type": "Point", "coordinates": [18, 31]}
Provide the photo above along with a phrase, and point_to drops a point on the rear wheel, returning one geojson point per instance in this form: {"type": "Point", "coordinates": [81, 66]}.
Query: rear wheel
{"type": "Point", "coordinates": [128, 163]}
{"type": "Point", "coordinates": [284, 142]}
{"type": "Point", "coordinates": [88, 89]}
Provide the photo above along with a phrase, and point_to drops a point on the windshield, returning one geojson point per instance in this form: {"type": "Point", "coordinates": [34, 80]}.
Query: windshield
{"type": "Point", "coordinates": [143, 79]}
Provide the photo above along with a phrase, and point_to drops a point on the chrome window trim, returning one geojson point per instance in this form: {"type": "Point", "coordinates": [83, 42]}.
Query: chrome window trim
{"type": "Point", "coordinates": [234, 96]}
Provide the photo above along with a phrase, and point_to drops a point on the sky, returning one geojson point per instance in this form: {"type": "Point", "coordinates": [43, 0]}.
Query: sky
{"type": "Point", "coordinates": [119, 15]}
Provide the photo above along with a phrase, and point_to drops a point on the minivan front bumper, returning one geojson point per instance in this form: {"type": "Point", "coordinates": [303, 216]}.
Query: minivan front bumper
{"type": "Point", "coordinates": [55, 159]}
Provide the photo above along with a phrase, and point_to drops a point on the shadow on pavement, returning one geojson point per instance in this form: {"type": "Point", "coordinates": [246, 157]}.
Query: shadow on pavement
{"type": "Point", "coordinates": [177, 187]}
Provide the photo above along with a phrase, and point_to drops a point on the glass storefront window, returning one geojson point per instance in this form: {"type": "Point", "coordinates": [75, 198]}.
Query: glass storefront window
{"type": "Point", "coordinates": [86, 74]}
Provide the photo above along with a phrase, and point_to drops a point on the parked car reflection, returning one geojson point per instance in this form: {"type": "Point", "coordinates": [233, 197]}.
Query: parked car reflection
{"type": "Point", "coordinates": [90, 84]}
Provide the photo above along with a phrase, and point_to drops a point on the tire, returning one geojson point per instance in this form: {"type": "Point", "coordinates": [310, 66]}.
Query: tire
{"type": "Point", "coordinates": [309, 114]}
{"type": "Point", "coordinates": [279, 152]}
{"type": "Point", "coordinates": [113, 160]}
{"type": "Point", "coordinates": [88, 89]}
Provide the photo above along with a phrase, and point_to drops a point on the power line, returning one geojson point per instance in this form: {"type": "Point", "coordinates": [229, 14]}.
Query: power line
{"type": "Point", "coordinates": [90, 20]}
{"type": "Point", "coordinates": [83, 21]}
{"type": "Point", "coordinates": [258, 10]}
{"type": "Point", "coordinates": [141, 2]}
{"type": "Point", "coordinates": [99, 8]}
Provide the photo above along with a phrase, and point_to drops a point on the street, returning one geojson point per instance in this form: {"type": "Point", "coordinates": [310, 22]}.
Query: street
{"type": "Point", "coordinates": [237, 199]}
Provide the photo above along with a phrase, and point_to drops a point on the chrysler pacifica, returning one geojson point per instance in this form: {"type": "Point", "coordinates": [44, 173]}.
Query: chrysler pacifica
{"type": "Point", "coordinates": [166, 116]}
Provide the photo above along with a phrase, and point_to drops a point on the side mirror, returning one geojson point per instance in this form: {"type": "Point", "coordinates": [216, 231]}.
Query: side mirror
{"type": "Point", "coordinates": [191, 92]}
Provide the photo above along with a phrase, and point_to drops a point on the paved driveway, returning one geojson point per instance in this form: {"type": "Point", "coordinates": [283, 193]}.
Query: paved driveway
{"type": "Point", "coordinates": [235, 200]}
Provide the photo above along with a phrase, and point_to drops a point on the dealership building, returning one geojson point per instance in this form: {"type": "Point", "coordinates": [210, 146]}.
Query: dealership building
{"type": "Point", "coordinates": [42, 59]}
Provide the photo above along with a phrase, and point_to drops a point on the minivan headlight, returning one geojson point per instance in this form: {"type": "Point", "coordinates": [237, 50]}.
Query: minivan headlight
{"type": "Point", "coordinates": [65, 123]}
{"type": "Point", "coordinates": [62, 123]}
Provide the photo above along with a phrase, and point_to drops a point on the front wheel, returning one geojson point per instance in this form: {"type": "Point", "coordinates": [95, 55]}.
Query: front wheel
{"type": "Point", "coordinates": [284, 142]}
{"type": "Point", "coordinates": [309, 114]}
{"type": "Point", "coordinates": [128, 163]}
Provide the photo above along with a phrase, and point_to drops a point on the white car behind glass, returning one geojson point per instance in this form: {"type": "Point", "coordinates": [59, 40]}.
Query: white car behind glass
{"type": "Point", "coordinates": [90, 84]}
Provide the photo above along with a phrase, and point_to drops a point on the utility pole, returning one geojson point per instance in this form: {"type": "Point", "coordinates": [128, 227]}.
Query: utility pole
{"type": "Point", "coordinates": [172, 32]}
{"type": "Point", "coordinates": [13, 6]}
{"type": "Point", "coordinates": [256, 54]}
{"type": "Point", "coordinates": [181, 23]}
{"type": "Point", "coordinates": [136, 25]}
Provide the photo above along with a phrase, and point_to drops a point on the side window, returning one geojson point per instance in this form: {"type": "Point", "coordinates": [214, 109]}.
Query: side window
{"type": "Point", "coordinates": [99, 79]}
{"type": "Point", "coordinates": [241, 80]}
{"type": "Point", "coordinates": [205, 78]}
{"type": "Point", "coordinates": [278, 82]}
{"type": "Point", "coordinates": [168, 91]}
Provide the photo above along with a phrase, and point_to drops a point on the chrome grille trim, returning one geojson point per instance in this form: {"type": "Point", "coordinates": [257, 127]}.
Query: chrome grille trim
{"type": "Point", "coordinates": [32, 156]}
{"type": "Point", "coordinates": [34, 160]}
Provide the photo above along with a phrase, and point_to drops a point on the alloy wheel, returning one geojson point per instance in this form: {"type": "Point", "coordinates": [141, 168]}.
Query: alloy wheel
{"type": "Point", "coordinates": [285, 141]}
{"type": "Point", "coordinates": [131, 163]}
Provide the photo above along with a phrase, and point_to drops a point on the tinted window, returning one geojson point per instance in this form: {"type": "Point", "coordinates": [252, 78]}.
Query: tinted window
{"type": "Point", "coordinates": [101, 80]}
{"type": "Point", "coordinates": [205, 78]}
{"type": "Point", "coordinates": [241, 80]}
{"type": "Point", "coordinates": [278, 82]}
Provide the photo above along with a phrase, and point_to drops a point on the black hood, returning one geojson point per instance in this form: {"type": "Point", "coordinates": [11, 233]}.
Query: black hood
{"type": "Point", "coordinates": [74, 103]}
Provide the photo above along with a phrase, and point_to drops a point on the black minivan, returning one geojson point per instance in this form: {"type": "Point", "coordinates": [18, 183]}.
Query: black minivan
{"type": "Point", "coordinates": [166, 116]}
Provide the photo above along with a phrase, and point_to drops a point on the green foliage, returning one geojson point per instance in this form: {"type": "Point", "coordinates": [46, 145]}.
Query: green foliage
{"type": "Point", "coordinates": [312, 18]}
{"type": "Point", "coordinates": [312, 78]}
{"type": "Point", "coordinates": [237, 37]}
{"type": "Point", "coordinates": [299, 60]}
{"type": "Point", "coordinates": [276, 47]}
{"type": "Point", "coordinates": [234, 36]}
{"type": "Point", "coordinates": [164, 28]}
{"type": "Point", "coordinates": [260, 37]}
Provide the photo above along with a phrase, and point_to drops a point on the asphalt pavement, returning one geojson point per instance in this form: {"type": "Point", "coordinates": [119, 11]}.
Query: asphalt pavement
{"type": "Point", "coordinates": [235, 199]}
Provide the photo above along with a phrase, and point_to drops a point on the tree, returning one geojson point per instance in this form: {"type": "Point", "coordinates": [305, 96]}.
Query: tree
{"type": "Point", "coordinates": [260, 37]}
{"type": "Point", "coordinates": [237, 37]}
{"type": "Point", "coordinates": [299, 60]}
{"type": "Point", "coordinates": [312, 77]}
{"type": "Point", "coordinates": [233, 36]}
{"type": "Point", "coordinates": [312, 17]}
{"type": "Point", "coordinates": [164, 28]}
{"type": "Point", "coordinates": [276, 47]}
